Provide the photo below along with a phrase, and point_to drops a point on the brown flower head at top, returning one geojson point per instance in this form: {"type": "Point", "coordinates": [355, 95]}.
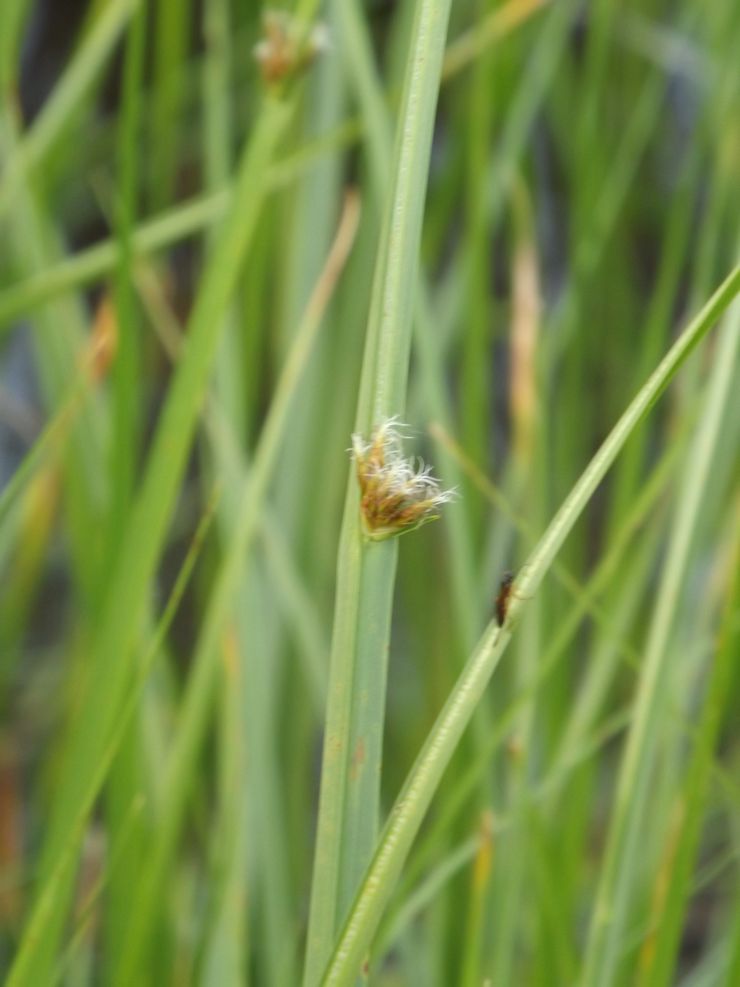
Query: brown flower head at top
{"type": "Point", "coordinates": [396, 495]}
{"type": "Point", "coordinates": [287, 47]}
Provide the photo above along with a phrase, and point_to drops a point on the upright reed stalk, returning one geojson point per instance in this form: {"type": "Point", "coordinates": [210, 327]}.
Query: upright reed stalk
{"type": "Point", "coordinates": [350, 780]}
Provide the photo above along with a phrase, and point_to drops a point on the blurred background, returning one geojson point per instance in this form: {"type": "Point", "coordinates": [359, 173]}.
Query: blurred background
{"type": "Point", "coordinates": [582, 205]}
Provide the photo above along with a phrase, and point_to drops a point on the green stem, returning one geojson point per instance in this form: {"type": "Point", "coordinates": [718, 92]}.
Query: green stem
{"type": "Point", "coordinates": [623, 862]}
{"type": "Point", "coordinates": [350, 778]}
{"type": "Point", "coordinates": [68, 94]}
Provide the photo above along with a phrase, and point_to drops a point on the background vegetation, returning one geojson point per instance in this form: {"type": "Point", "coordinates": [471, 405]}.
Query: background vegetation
{"type": "Point", "coordinates": [214, 268]}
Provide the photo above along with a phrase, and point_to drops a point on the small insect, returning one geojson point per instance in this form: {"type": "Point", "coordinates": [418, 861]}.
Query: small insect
{"type": "Point", "coordinates": [504, 596]}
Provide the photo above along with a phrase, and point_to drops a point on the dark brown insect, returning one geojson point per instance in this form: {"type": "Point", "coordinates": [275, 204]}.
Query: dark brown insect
{"type": "Point", "coordinates": [504, 596]}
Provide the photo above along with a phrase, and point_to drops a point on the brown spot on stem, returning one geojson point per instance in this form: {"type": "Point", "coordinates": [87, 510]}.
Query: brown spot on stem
{"type": "Point", "coordinates": [358, 759]}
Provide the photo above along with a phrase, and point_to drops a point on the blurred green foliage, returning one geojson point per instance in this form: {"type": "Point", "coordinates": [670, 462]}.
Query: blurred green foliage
{"type": "Point", "coordinates": [173, 462]}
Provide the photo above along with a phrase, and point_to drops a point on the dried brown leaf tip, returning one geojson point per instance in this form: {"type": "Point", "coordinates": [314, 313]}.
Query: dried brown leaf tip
{"type": "Point", "coordinates": [396, 494]}
{"type": "Point", "coordinates": [287, 46]}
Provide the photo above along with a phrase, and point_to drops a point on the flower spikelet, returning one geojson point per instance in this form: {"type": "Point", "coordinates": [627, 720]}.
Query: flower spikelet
{"type": "Point", "coordinates": [287, 47]}
{"type": "Point", "coordinates": [396, 494]}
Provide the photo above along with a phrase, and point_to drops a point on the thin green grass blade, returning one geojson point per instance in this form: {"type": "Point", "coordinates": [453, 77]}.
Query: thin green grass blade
{"type": "Point", "coordinates": [53, 893]}
{"type": "Point", "coordinates": [13, 14]}
{"type": "Point", "coordinates": [226, 944]}
{"type": "Point", "coordinates": [60, 342]}
{"type": "Point", "coordinates": [658, 969]}
{"type": "Point", "coordinates": [126, 413]}
{"type": "Point", "coordinates": [67, 95]}
{"type": "Point", "coordinates": [621, 872]}
{"type": "Point", "coordinates": [201, 684]}
{"type": "Point", "coordinates": [350, 778]}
